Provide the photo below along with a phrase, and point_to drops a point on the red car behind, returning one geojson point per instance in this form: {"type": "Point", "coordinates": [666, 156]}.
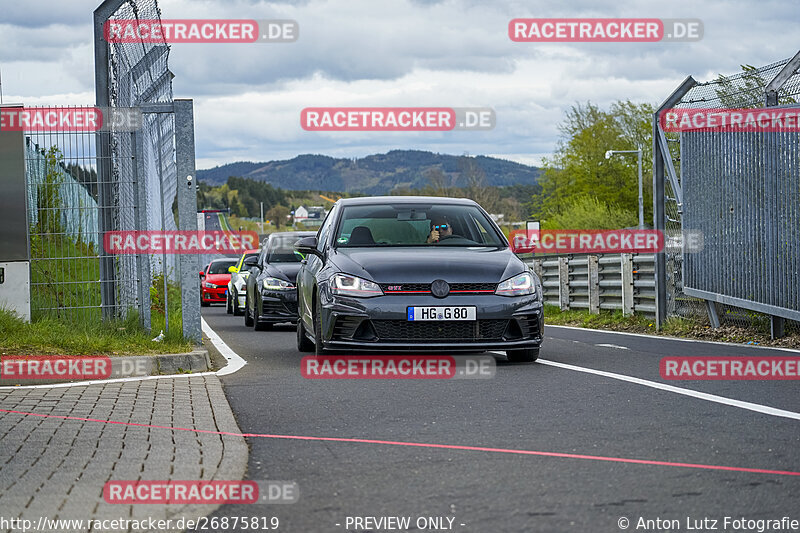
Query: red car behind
{"type": "Point", "coordinates": [214, 281]}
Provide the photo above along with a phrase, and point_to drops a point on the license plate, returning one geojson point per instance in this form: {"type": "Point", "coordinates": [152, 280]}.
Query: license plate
{"type": "Point", "coordinates": [416, 314]}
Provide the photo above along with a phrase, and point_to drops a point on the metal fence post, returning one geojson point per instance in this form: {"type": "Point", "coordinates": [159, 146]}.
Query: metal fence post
{"type": "Point", "coordinates": [594, 284]}
{"type": "Point", "coordinates": [105, 196]}
{"type": "Point", "coordinates": [144, 279]}
{"type": "Point", "coordinates": [626, 271]}
{"type": "Point", "coordinates": [187, 215]}
{"type": "Point", "coordinates": [563, 283]}
{"type": "Point", "coordinates": [659, 198]}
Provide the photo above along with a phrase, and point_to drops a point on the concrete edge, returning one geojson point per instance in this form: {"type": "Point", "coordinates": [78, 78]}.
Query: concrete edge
{"type": "Point", "coordinates": [131, 366]}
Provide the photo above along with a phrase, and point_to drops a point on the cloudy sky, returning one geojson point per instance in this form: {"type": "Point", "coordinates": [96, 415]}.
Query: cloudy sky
{"type": "Point", "coordinates": [370, 53]}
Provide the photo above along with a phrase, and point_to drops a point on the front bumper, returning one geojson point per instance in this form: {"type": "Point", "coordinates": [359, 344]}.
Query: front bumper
{"type": "Point", "coordinates": [278, 306]}
{"type": "Point", "coordinates": [381, 323]}
{"type": "Point", "coordinates": [213, 295]}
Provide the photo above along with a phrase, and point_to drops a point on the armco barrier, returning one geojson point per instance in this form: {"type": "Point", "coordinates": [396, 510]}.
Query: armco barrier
{"type": "Point", "coordinates": [610, 281]}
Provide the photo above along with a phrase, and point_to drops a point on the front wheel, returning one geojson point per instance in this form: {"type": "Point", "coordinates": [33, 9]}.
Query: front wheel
{"type": "Point", "coordinates": [257, 324]}
{"type": "Point", "coordinates": [303, 344]}
{"type": "Point", "coordinates": [237, 311]}
{"type": "Point", "coordinates": [248, 319]}
{"type": "Point", "coordinates": [526, 355]}
{"type": "Point", "coordinates": [319, 347]}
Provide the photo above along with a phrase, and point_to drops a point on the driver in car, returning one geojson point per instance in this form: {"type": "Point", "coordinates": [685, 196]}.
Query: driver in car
{"type": "Point", "coordinates": [440, 229]}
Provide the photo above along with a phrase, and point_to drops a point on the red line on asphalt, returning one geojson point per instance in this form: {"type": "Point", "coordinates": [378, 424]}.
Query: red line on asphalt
{"type": "Point", "coordinates": [426, 445]}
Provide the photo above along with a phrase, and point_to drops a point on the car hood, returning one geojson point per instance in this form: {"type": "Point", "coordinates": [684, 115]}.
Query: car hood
{"type": "Point", "coordinates": [285, 271]}
{"type": "Point", "coordinates": [426, 264]}
{"type": "Point", "coordinates": [218, 279]}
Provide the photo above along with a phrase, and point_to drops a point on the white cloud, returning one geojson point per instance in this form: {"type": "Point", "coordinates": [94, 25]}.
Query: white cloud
{"type": "Point", "coordinates": [405, 53]}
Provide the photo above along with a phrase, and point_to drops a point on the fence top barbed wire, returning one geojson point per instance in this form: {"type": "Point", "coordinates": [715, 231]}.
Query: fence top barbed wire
{"type": "Point", "coordinates": [745, 89]}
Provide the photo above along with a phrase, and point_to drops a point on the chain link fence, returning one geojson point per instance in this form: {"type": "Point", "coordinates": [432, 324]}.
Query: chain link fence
{"type": "Point", "coordinates": [83, 183]}
{"type": "Point", "coordinates": [736, 156]}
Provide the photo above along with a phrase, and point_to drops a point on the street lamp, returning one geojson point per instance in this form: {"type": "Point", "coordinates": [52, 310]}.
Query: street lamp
{"type": "Point", "coordinates": [638, 151]}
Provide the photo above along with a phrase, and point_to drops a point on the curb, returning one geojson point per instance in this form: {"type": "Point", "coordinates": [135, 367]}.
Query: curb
{"type": "Point", "coordinates": [189, 363]}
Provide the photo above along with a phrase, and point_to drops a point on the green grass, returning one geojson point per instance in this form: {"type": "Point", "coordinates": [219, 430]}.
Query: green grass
{"type": "Point", "coordinates": [605, 319]}
{"type": "Point", "coordinates": [673, 327]}
{"type": "Point", "coordinates": [57, 263]}
{"type": "Point", "coordinates": [51, 336]}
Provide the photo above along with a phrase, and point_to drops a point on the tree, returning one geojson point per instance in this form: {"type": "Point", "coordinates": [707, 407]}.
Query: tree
{"type": "Point", "coordinates": [588, 212]}
{"type": "Point", "coordinates": [277, 214]}
{"type": "Point", "coordinates": [477, 187]}
{"type": "Point", "coordinates": [579, 169]}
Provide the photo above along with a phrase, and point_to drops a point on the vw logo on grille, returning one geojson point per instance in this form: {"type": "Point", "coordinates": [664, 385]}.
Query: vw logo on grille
{"type": "Point", "coordinates": [440, 288]}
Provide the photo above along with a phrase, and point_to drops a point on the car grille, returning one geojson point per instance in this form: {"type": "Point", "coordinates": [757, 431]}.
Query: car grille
{"type": "Point", "coordinates": [425, 288]}
{"type": "Point", "coordinates": [455, 331]}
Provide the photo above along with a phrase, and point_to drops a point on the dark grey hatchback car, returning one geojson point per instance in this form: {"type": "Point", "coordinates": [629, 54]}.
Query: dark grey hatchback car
{"type": "Point", "coordinates": [418, 274]}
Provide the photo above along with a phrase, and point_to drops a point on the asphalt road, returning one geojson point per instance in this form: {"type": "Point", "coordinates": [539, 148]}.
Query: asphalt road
{"type": "Point", "coordinates": [537, 407]}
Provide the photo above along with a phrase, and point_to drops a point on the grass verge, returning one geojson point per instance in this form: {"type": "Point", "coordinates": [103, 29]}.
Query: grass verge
{"type": "Point", "coordinates": [50, 336]}
{"type": "Point", "coordinates": [674, 327]}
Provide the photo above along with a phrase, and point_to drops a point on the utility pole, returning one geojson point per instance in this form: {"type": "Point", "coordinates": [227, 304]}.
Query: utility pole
{"type": "Point", "coordinates": [261, 221]}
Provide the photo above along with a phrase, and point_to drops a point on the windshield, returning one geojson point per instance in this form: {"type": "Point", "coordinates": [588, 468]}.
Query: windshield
{"type": "Point", "coordinates": [281, 248]}
{"type": "Point", "coordinates": [244, 258]}
{"type": "Point", "coordinates": [221, 267]}
{"type": "Point", "coordinates": [415, 225]}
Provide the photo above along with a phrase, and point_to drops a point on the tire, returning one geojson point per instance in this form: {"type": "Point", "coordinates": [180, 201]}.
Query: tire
{"type": "Point", "coordinates": [204, 303]}
{"type": "Point", "coordinates": [237, 311]}
{"type": "Point", "coordinates": [526, 355]}
{"type": "Point", "coordinates": [229, 305]}
{"type": "Point", "coordinates": [303, 344]}
{"type": "Point", "coordinates": [258, 325]}
{"type": "Point", "coordinates": [248, 320]}
{"type": "Point", "coordinates": [319, 348]}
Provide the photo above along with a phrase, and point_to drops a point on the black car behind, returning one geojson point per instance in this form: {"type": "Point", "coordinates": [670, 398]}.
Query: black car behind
{"type": "Point", "coordinates": [271, 296]}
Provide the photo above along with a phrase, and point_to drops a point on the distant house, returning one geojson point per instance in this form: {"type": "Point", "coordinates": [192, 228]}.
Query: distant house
{"type": "Point", "coordinates": [309, 216]}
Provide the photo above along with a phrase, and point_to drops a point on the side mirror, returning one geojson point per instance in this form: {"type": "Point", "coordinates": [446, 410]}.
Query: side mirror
{"type": "Point", "coordinates": [233, 269]}
{"type": "Point", "coordinates": [307, 245]}
{"type": "Point", "coordinates": [202, 273]}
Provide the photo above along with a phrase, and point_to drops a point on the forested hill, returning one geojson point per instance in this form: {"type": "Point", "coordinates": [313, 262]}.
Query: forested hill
{"type": "Point", "coordinates": [374, 174]}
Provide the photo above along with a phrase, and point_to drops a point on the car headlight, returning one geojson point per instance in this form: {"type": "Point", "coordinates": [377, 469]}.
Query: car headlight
{"type": "Point", "coordinates": [347, 285]}
{"type": "Point", "coordinates": [212, 286]}
{"type": "Point", "coordinates": [520, 285]}
{"type": "Point", "coordinates": [275, 284]}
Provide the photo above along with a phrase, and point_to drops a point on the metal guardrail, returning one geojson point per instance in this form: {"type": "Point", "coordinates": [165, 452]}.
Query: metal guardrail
{"type": "Point", "coordinates": [624, 282]}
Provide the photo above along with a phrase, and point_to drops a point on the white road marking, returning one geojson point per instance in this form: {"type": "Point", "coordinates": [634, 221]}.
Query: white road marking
{"type": "Point", "coordinates": [617, 346]}
{"type": "Point", "coordinates": [235, 363]}
{"type": "Point", "coordinates": [664, 337]}
{"type": "Point", "coordinates": [764, 409]}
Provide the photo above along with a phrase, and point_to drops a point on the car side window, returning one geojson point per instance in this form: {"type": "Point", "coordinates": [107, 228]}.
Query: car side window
{"type": "Point", "coordinates": [262, 257]}
{"type": "Point", "coordinates": [325, 229]}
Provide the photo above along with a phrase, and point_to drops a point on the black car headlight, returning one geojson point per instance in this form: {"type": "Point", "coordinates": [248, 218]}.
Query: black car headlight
{"type": "Point", "coordinates": [277, 284]}
{"type": "Point", "coordinates": [347, 285]}
{"type": "Point", "coordinates": [520, 285]}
